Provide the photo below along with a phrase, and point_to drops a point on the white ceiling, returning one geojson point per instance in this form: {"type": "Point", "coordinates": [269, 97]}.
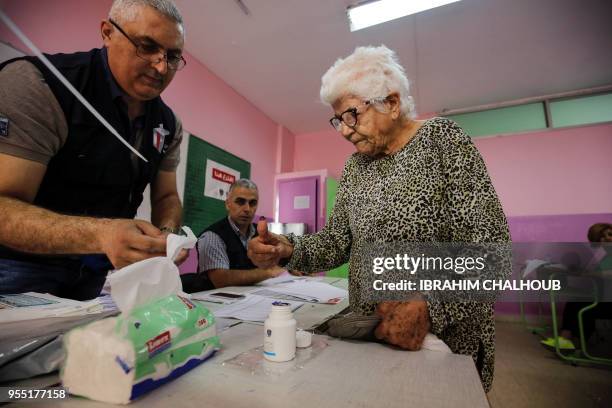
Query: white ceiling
{"type": "Point", "coordinates": [460, 55]}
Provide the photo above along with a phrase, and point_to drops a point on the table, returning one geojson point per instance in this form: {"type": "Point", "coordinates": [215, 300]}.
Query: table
{"type": "Point", "coordinates": [345, 373]}
{"type": "Point", "coordinates": [309, 316]}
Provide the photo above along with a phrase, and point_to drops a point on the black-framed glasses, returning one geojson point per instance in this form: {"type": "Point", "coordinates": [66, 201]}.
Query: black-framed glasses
{"type": "Point", "coordinates": [153, 52]}
{"type": "Point", "coordinates": [349, 116]}
{"type": "Point", "coordinates": [242, 201]}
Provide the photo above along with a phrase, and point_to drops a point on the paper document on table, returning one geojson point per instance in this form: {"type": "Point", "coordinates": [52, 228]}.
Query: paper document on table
{"type": "Point", "coordinates": [252, 308]}
{"type": "Point", "coordinates": [32, 305]}
{"type": "Point", "coordinates": [207, 296]}
{"type": "Point", "coordinates": [281, 296]}
{"type": "Point", "coordinates": [31, 315]}
{"type": "Point", "coordinates": [108, 304]}
{"type": "Point", "coordinates": [284, 278]}
{"type": "Point", "coordinates": [223, 323]}
{"type": "Point", "coordinates": [305, 290]}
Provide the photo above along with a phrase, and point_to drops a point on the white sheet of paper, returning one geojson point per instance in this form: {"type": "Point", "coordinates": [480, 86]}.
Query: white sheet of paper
{"type": "Point", "coordinates": [306, 290]}
{"type": "Point", "coordinates": [266, 292]}
{"type": "Point", "coordinates": [32, 305]}
{"type": "Point", "coordinates": [301, 202]}
{"type": "Point", "coordinates": [252, 308]}
{"type": "Point", "coordinates": [223, 323]}
{"type": "Point", "coordinates": [285, 277]}
{"type": "Point", "coordinates": [207, 297]}
{"type": "Point", "coordinates": [218, 179]}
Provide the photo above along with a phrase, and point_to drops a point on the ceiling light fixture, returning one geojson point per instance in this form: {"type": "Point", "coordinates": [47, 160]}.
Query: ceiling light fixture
{"type": "Point", "coordinates": [370, 13]}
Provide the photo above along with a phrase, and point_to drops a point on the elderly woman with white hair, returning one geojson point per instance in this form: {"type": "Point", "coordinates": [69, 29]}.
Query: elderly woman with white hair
{"type": "Point", "coordinates": [408, 181]}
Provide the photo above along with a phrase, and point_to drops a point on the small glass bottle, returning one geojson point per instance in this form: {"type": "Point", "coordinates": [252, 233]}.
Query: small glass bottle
{"type": "Point", "coordinates": [279, 333]}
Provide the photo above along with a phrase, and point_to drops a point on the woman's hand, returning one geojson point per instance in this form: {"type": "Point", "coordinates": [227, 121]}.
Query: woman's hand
{"type": "Point", "coordinates": [404, 324]}
{"type": "Point", "coordinates": [267, 249]}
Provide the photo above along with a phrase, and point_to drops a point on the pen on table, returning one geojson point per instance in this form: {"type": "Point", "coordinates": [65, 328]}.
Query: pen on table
{"type": "Point", "coordinates": [220, 302]}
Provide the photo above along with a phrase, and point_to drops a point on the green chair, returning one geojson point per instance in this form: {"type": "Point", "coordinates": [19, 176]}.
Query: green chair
{"type": "Point", "coordinates": [582, 355]}
{"type": "Point", "coordinates": [541, 326]}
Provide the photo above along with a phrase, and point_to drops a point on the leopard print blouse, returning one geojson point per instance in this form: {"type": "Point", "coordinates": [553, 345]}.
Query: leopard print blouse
{"type": "Point", "coordinates": [435, 189]}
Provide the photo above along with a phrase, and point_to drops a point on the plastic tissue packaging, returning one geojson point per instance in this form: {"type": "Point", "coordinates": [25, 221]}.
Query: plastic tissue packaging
{"type": "Point", "coordinates": [160, 334]}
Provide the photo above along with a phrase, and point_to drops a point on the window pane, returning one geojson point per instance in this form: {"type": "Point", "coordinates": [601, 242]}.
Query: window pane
{"type": "Point", "coordinates": [503, 120]}
{"type": "Point", "coordinates": [582, 110]}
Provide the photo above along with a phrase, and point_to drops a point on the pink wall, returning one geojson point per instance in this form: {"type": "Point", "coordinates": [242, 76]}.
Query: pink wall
{"type": "Point", "coordinates": [208, 107]}
{"type": "Point", "coordinates": [321, 150]}
{"type": "Point", "coordinates": [285, 145]}
{"type": "Point", "coordinates": [562, 171]}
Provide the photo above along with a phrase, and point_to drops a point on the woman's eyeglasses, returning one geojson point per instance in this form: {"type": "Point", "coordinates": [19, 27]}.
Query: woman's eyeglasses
{"type": "Point", "coordinates": [349, 116]}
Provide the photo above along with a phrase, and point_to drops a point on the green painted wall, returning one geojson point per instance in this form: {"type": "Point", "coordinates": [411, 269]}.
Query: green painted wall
{"type": "Point", "coordinates": [581, 111]}
{"type": "Point", "coordinates": [200, 211]}
{"type": "Point", "coordinates": [332, 188]}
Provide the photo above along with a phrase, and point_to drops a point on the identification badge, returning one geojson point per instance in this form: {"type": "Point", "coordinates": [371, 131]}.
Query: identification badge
{"type": "Point", "coordinates": [4, 126]}
{"type": "Point", "coordinates": [159, 135]}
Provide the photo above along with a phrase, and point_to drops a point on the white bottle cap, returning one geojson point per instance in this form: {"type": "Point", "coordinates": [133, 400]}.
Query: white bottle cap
{"type": "Point", "coordinates": [303, 339]}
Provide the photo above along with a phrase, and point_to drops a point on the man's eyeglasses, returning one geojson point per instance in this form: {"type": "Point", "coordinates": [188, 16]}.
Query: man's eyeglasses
{"type": "Point", "coordinates": [349, 116]}
{"type": "Point", "coordinates": [154, 52]}
{"type": "Point", "coordinates": [242, 201]}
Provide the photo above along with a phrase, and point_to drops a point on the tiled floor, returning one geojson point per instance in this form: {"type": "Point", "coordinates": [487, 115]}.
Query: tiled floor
{"type": "Point", "coordinates": [527, 375]}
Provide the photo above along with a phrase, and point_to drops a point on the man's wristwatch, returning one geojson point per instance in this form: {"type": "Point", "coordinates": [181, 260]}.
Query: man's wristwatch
{"type": "Point", "coordinates": [171, 230]}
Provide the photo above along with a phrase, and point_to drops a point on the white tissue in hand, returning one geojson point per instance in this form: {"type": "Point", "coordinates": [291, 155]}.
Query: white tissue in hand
{"type": "Point", "coordinates": [153, 278]}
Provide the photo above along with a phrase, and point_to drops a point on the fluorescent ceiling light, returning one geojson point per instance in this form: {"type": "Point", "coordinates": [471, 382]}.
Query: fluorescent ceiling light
{"type": "Point", "coordinates": [380, 11]}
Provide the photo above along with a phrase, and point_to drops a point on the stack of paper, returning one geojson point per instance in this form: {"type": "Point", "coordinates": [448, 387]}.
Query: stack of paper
{"type": "Point", "coordinates": [252, 308]}
{"type": "Point", "coordinates": [304, 290]}
{"type": "Point", "coordinates": [32, 305]}
{"type": "Point", "coordinates": [32, 315]}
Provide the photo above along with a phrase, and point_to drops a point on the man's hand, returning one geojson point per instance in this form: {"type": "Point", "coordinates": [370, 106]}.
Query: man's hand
{"type": "Point", "coordinates": [274, 271]}
{"type": "Point", "coordinates": [129, 241]}
{"type": "Point", "coordinates": [404, 324]}
{"type": "Point", "coordinates": [267, 249]}
{"type": "Point", "coordinates": [183, 253]}
{"type": "Point", "coordinates": [181, 257]}
{"type": "Point", "coordinates": [221, 278]}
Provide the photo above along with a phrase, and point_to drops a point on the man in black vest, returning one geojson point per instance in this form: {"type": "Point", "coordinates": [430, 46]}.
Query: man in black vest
{"type": "Point", "coordinates": [69, 190]}
{"type": "Point", "coordinates": [222, 247]}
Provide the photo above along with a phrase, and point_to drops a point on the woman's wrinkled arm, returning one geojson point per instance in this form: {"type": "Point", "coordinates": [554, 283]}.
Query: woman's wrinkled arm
{"type": "Point", "coordinates": [330, 247]}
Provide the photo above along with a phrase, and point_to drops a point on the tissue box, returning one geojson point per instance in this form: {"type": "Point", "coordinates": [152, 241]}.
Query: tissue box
{"type": "Point", "coordinates": [121, 358]}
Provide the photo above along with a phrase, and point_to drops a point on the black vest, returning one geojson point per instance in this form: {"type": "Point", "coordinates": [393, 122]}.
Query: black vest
{"type": "Point", "coordinates": [236, 253]}
{"type": "Point", "coordinates": [92, 174]}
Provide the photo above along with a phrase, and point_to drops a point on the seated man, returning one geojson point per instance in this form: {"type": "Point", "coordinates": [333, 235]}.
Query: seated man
{"type": "Point", "coordinates": [600, 233]}
{"type": "Point", "coordinates": [222, 247]}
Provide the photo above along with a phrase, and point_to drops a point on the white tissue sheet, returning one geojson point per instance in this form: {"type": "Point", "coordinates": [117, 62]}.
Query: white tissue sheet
{"type": "Point", "coordinates": [152, 278]}
{"type": "Point", "coordinates": [160, 335]}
